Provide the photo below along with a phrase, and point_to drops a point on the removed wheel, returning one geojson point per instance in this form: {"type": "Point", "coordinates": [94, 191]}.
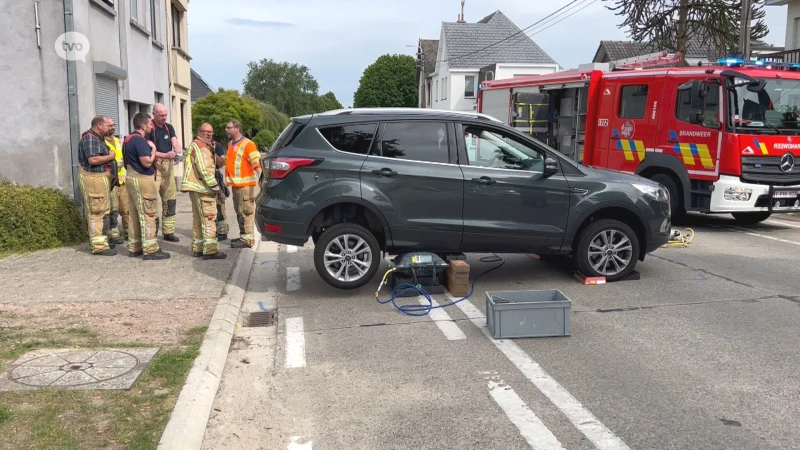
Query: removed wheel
{"type": "Point", "coordinates": [675, 198]}
{"type": "Point", "coordinates": [607, 248]}
{"type": "Point", "coordinates": [347, 256]}
{"type": "Point", "coordinates": [751, 218]}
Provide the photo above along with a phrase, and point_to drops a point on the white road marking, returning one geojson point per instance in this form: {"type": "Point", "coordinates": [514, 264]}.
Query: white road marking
{"type": "Point", "coordinates": [443, 321]}
{"type": "Point", "coordinates": [295, 343]}
{"type": "Point", "coordinates": [295, 446]}
{"type": "Point", "coordinates": [292, 278]}
{"type": "Point", "coordinates": [746, 231]}
{"type": "Point", "coordinates": [584, 421]}
{"type": "Point", "coordinates": [291, 249]}
{"type": "Point", "coordinates": [781, 223]}
{"type": "Point", "coordinates": [529, 425]}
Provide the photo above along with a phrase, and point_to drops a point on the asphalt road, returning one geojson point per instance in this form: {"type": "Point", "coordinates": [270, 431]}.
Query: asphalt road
{"type": "Point", "coordinates": [702, 352]}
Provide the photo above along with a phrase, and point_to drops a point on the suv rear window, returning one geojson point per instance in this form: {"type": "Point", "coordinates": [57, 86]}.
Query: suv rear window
{"type": "Point", "coordinates": [416, 141]}
{"type": "Point", "coordinates": [356, 138]}
{"type": "Point", "coordinates": [287, 135]}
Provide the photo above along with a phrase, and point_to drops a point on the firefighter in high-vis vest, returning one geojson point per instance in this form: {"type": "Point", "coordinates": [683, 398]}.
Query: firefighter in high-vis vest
{"type": "Point", "coordinates": [242, 170]}
{"type": "Point", "coordinates": [201, 184]}
{"type": "Point", "coordinates": [119, 197]}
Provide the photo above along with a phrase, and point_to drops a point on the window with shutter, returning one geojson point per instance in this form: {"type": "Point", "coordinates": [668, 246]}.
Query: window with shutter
{"type": "Point", "coordinates": [107, 99]}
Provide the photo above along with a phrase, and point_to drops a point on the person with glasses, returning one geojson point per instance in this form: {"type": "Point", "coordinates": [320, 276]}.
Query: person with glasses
{"type": "Point", "coordinates": [201, 184]}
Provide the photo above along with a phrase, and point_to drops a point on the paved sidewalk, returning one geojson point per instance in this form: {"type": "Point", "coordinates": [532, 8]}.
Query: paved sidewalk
{"type": "Point", "coordinates": [71, 274]}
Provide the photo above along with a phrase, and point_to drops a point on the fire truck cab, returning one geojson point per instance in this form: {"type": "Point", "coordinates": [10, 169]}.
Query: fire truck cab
{"type": "Point", "coordinates": [722, 138]}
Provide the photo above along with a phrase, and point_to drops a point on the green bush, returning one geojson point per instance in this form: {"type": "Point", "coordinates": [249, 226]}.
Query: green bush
{"type": "Point", "coordinates": [264, 140]}
{"type": "Point", "coordinates": [34, 218]}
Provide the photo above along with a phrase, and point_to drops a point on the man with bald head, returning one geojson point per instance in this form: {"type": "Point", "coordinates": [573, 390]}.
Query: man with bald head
{"type": "Point", "coordinates": [167, 149]}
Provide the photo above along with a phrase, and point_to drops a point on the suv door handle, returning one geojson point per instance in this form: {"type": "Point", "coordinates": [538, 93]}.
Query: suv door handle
{"type": "Point", "coordinates": [384, 172]}
{"type": "Point", "coordinates": [484, 180]}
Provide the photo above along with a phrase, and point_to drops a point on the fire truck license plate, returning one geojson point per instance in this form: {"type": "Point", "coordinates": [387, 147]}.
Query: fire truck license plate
{"type": "Point", "coordinates": [785, 194]}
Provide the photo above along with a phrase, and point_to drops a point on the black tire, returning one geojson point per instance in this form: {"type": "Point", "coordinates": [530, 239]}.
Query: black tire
{"type": "Point", "coordinates": [675, 196]}
{"type": "Point", "coordinates": [581, 253]}
{"type": "Point", "coordinates": [751, 218]}
{"type": "Point", "coordinates": [336, 232]}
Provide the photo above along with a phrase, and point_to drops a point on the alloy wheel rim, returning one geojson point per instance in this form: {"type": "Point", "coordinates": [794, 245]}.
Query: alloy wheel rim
{"type": "Point", "coordinates": [347, 258]}
{"type": "Point", "coordinates": [610, 252]}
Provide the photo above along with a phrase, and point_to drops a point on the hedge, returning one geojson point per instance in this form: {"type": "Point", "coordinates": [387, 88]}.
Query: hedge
{"type": "Point", "coordinates": [35, 218]}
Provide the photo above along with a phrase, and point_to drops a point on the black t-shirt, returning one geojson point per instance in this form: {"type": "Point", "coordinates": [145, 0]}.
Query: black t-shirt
{"type": "Point", "coordinates": [136, 146]}
{"type": "Point", "coordinates": [219, 150]}
{"type": "Point", "coordinates": [162, 137]}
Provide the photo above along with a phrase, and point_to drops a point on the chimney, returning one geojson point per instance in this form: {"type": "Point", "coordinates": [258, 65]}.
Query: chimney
{"type": "Point", "coordinates": [461, 16]}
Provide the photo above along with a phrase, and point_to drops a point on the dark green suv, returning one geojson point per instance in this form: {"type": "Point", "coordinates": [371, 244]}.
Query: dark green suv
{"type": "Point", "coordinates": [359, 182]}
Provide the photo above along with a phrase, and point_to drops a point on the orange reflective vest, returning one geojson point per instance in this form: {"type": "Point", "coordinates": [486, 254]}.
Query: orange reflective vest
{"type": "Point", "coordinates": [241, 162]}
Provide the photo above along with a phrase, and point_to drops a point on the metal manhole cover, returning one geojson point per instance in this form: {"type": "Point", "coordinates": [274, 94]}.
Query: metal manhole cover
{"type": "Point", "coordinates": [77, 369]}
{"type": "Point", "coordinates": [261, 319]}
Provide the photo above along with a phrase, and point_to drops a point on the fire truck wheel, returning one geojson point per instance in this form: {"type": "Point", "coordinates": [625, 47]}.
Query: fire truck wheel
{"type": "Point", "coordinates": [606, 248]}
{"type": "Point", "coordinates": [751, 218]}
{"type": "Point", "coordinates": [675, 197]}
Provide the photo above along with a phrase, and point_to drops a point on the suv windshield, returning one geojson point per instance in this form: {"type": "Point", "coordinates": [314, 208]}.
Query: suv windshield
{"type": "Point", "coordinates": [772, 110]}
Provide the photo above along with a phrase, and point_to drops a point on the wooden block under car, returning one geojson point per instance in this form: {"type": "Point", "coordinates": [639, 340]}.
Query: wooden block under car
{"type": "Point", "coordinates": [457, 278]}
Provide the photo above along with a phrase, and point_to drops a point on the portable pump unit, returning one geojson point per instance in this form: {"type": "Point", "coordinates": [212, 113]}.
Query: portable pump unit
{"type": "Point", "coordinates": [418, 269]}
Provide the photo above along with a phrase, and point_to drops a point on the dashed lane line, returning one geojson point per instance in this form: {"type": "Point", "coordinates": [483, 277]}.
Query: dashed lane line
{"type": "Point", "coordinates": [442, 320]}
{"type": "Point", "coordinates": [581, 418]}
{"type": "Point", "coordinates": [529, 425]}
{"type": "Point", "coordinates": [295, 343]}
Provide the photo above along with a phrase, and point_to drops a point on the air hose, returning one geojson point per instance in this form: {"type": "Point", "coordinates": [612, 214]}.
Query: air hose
{"type": "Point", "coordinates": [680, 239]}
{"type": "Point", "coordinates": [419, 310]}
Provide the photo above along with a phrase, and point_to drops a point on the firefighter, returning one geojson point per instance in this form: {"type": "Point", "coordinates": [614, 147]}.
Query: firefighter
{"type": "Point", "coordinates": [242, 168]}
{"type": "Point", "coordinates": [224, 193]}
{"type": "Point", "coordinates": [140, 181]}
{"type": "Point", "coordinates": [167, 150]}
{"type": "Point", "coordinates": [94, 156]}
{"type": "Point", "coordinates": [119, 197]}
{"type": "Point", "coordinates": [201, 184]}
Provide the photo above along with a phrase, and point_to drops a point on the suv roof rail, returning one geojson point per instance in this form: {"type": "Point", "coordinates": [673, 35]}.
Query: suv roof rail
{"type": "Point", "coordinates": [409, 111]}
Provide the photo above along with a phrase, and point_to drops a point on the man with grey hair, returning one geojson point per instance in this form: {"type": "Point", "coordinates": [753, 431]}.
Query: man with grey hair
{"type": "Point", "coordinates": [167, 149]}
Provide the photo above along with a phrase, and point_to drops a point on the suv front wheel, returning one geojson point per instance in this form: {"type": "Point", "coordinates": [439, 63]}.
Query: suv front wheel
{"type": "Point", "coordinates": [607, 248]}
{"type": "Point", "coordinates": [347, 256]}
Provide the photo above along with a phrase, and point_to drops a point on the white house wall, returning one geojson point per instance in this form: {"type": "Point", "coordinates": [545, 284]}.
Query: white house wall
{"type": "Point", "coordinates": [792, 19]}
{"type": "Point", "coordinates": [457, 86]}
{"type": "Point", "coordinates": [510, 70]}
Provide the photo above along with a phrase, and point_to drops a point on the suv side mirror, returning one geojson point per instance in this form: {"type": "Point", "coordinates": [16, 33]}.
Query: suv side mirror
{"type": "Point", "coordinates": [550, 167]}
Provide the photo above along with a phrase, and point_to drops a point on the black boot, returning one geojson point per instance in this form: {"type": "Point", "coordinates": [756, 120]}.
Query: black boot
{"type": "Point", "coordinates": [171, 238]}
{"type": "Point", "coordinates": [197, 254]}
{"type": "Point", "coordinates": [222, 237]}
{"type": "Point", "coordinates": [157, 256]}
{"type": "Point", "coordinates": [218, 255]}
{"type": "Point", "coordinates": [116, 240]}
{"type": "Point", "coordinates": [109, 252]}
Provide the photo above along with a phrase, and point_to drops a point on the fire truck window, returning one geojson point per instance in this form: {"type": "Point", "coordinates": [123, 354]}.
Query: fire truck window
{"type": "Point", "coordinates": [710, 112]}
{"type": "Point", "coordinates": [494, 149]}
{"type": "Point", "coordinates": [633, 101]}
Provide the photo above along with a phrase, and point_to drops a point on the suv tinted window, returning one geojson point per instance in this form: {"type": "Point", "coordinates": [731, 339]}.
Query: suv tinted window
{"type": "Point", "coordinates": [355, 138]}
{"type": "Point", "coordinates": [287, 135]}
{"type": "Point", "coordinates": [416, 141]}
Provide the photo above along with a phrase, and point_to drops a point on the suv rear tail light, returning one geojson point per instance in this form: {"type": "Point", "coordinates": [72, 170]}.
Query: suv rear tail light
{"type": "Point", "coordinates": [279, 168]}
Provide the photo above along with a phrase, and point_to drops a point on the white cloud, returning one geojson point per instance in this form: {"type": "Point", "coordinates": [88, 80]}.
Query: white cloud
{"type": "Point", "coordinates": [338, 39]}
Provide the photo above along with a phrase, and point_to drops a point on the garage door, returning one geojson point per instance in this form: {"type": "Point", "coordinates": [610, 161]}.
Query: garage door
{"type": "Point", "coordinates": [495, 103]}
{"type": "Point", "coordinates": [107, 98]}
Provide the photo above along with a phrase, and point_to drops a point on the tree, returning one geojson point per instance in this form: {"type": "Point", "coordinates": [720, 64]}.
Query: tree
{"type": "Point", "coordinates": [329, 102]}
{"type": "Point", "coordinates": [671, 24]}
{"type": "Point", "coordinates": [221, 107]}
{"type": "Point", "coordinates": [289, 87]}
{"type": "Point", "coordinates": [389, 81]}
{"type": "Point", "coordinates": [274, 120]}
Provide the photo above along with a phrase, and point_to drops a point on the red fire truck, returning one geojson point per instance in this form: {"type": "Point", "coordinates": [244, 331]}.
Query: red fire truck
{"type": "Point", "coordinates": [722, 138]}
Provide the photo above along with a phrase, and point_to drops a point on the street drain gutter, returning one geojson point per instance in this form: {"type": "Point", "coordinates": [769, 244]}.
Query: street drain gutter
{"type": "Point", "coordinates": [187, 425]}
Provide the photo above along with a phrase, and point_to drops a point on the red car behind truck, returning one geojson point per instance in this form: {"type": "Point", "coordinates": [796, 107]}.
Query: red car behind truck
{"type": "Point", "coordinates": [721, 138]}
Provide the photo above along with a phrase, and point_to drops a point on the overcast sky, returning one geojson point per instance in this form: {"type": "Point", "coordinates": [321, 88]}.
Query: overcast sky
{"type": "Point", "coordinates": [338, 39]}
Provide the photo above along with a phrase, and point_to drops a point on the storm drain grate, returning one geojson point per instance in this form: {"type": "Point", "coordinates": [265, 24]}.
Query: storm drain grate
{"type": "Point", "coordinates": [261, 319]}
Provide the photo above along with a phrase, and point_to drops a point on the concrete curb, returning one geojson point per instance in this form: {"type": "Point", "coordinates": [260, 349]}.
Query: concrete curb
{"type": "Point", "coordinates": [187, 424]}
